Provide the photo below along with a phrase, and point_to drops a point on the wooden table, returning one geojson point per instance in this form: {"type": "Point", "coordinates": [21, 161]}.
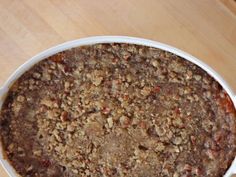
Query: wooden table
{"type": "Point", "coordinates": [204, 28]}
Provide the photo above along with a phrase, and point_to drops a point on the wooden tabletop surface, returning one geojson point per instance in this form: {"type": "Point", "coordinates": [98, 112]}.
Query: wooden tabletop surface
{"type": "Point", "coordinates": [204, 28]}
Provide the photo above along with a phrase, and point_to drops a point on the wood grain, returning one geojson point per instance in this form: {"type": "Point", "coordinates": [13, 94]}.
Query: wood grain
{"type": "Point", "coordinates": [230, 4]}
{"type": "Point", "coordinates": [204, 28]}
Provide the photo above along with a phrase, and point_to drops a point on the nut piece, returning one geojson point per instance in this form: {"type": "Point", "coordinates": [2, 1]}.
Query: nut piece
{"type": "Point", "coordinates": [128, 78]}
{"type": "Point", "coordinates": [36, 75]}
{"type": "Point", "coordinates": [176, 174]}
{"type": "Point", "coordinates": [67, 85]}
{"type": "Point", "coordinates": [70, 128]}
{"type": "Point", "coordinates": [97, 81]}
{"type": "Point", "coordinates": [160, 131]}
{"type": "Point", "coordinates": [160, 147]}
{"type": "Point", "coordinates": [110, 122]}
{"type": "Point", "coordinates": [154, 63]}
{"type": "Point", "coordinates": [37, 152]}
{"type": "Point", "coordinates": [146, 91]}
{"type": "Point", "coordinates": [64, 116]}
{"type": "Point", "coordinates": [177, 140]}
{"type": "Point", "coordinates": [197, 77]}
{"type": "Point", "coordinates": [20, 98]}
{"type": "Point", "coordinates": [47, 102]}
{"type": "Point", "coordinates": [124, 121]}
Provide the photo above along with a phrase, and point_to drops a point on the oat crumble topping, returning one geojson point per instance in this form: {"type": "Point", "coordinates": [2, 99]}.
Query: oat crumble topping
{"type": "Point", "coordinates": [118, 110]}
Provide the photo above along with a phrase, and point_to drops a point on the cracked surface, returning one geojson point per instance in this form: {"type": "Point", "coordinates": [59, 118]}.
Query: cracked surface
{"type": "Point", "coordinates": [118, 110]}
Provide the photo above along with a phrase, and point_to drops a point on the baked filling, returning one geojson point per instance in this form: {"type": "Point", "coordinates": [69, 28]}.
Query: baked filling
{"type": "Point", "coordinates": [118, 110]}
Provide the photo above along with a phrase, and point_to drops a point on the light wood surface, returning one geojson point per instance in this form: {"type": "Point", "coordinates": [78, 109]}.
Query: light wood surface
{"type": "Point", "coordinates": [230, 4]}
{"type": "Point", "coordinates": [204, 28]}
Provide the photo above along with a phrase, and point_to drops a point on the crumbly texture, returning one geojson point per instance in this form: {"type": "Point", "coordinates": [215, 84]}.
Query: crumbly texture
{"type": "Point", "coordinates": [113, 110]}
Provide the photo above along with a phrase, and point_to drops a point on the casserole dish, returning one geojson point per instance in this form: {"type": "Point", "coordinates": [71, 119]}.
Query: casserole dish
{"type": "Point", "coordinates": [109, 39]}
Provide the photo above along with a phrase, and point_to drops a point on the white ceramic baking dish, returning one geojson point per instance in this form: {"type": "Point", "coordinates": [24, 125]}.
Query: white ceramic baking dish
{"type": "Point", "coordinates": [108, 39]}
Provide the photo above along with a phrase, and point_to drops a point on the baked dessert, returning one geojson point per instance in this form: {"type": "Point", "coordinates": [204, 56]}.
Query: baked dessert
{"type": "Point", "coordinates": [118, 110]}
